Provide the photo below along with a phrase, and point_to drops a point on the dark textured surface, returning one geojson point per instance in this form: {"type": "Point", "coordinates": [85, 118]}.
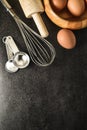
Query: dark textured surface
{"type": "Point", "coordinates": [50, 98]}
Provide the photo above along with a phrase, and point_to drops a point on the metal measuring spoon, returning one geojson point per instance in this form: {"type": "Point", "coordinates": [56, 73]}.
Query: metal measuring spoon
{"type": "Point", "coordinates": [20, 59]}
{"type": "Point", "coordinates": [9, 65]}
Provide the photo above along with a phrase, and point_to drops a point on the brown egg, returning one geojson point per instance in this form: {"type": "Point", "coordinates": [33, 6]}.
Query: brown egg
{"type": "Point", "coordinates": [76, 7]}
{"type": "Point", "coordinates": [58, 4]}
{"type": "Point", "coordinates": [66, 38]}
{"type": "Point", "coordinates": [86, 1]}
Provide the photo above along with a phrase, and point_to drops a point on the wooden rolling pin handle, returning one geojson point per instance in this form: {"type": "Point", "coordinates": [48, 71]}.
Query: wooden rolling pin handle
{"type": "Point", "coordinates": [40, 24]}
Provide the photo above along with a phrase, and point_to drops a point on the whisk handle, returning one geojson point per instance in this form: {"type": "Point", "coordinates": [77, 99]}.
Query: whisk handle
{"type": "Point", "coordinates": [6, 4]}
{"type": "Point", "coordinates": [40, 24]}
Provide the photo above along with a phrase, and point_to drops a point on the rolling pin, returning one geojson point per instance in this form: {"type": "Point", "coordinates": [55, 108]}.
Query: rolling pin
{"type": "Point", "coordinates": [33, 8]}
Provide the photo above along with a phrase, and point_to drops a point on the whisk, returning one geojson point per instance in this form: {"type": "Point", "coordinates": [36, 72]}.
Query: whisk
{"type": "Point", "coordinates": [41, 52]}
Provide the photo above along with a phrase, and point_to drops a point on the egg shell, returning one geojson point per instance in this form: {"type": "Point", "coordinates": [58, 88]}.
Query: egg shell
{"type": "Point", "coordinates": [76, 7]}
{"type": "Point", "coordinates": [66, 38]}
{"type": "Point", "coordinates": [58, 4]}
{"type": "Point", "coordinates": [86, 1]}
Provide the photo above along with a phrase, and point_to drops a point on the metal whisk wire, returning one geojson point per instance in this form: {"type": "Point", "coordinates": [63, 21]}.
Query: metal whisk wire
{"type": "Point", "coordinates": [41, 52]}
{"type": "Point", "coordinates": [34, 46]}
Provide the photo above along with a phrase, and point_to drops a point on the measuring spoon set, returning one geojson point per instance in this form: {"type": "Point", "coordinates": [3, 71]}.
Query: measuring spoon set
{"type": "Point", "coordinates": [16, 58]}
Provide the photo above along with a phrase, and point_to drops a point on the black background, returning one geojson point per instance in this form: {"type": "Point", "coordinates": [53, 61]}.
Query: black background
{"type": "Point", "coordinates": [43, 98]}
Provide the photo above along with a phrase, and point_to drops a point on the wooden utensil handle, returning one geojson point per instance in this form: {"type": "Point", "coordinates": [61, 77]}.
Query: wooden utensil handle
{"type": "Point", "coordinates": [40, 24]}
{"type": "Point", "coordinates": [32, 8]}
